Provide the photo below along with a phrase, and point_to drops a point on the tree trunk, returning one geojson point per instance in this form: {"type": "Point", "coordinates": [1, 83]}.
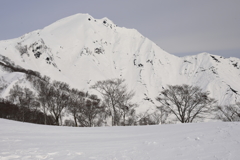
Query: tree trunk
{"type": "Point", "coordinates": [23, 114]}
{"type": "Point", "coordinates": [124, 116]}
{"type": "Point", "coordinates": [45, 116]}
{"type": "Point", "coordinates": [57, 120]}
{"type": "Point", "coordinates": [75, 120]}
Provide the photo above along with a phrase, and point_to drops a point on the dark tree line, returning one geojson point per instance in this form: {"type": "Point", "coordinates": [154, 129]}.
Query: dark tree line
{"type": "Point", "coordinates": [10, 66]}
{"type": "Point", "coordinates": [8, 110]}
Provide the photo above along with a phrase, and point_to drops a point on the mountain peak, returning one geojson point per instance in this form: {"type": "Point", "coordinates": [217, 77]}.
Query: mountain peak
{"type": "Point", "coordinates": [82, 19]}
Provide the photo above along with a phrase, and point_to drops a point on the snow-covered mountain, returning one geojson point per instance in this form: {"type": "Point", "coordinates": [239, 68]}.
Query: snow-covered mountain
{"type": "Point", "coordinates": [80, 50]}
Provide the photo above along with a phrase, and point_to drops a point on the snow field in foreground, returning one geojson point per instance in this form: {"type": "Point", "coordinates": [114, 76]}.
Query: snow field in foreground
{"type": "Point", "coordinates": [182, 141]}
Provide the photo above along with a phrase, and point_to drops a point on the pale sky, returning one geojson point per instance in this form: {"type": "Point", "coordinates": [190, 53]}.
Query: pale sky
{"type": "Point", "coordinates": [180, 27]}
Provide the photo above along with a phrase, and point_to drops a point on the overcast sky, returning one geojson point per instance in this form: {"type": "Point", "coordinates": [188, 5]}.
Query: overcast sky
{"type": "Point", "coordinates": [180, 27]}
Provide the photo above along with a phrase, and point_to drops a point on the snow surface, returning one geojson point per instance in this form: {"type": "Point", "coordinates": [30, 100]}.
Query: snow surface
{"type": "Point", "coordinates": [198, 141]}
{"type": "Point", "coordinates": [81, 50]}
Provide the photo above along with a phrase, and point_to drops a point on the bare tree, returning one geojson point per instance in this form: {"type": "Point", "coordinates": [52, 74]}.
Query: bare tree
{"type": "Point", "coordinates": [149, 118]}
{"type": "Point", "coordinates": [69, 122]}
{"type": "Point", "coordinates": [116, 97]}
{"type": "Point", "coordinates": [43, 90]}
{"type": "Point", "coordinates": [53, 97]}
{"type": "Point", "coordinates": [125, 105]}
{"type": "Point", "coordinates": [228, 113]}
{"type": "Point", "coordinates": [76, 103]}
{"type": "Point", "coordinates": [30, 103]}
{"type": "Point", "coordinates": [57, 99]}
{"type": "Point", "coordinates": [186, 103]}
{"type": "Point", "coordinates": [88, 115]}
{"type": "Point", "coordinates": [159, 117]}
{"type": "Point", "coordinates": [30, 99]}
{"type": "Point", "coordinates": [16, 96]}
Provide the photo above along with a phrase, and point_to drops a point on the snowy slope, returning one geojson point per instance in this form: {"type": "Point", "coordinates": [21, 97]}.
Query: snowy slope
{"type": "Point", "coordinates": [203, 141]}
{"type": "Point", "coordinates": [81, 50]}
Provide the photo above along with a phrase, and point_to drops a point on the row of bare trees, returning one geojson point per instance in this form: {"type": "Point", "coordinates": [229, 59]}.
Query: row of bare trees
{"type": "Point", "coordinates": [182, 103]}
{"type": "Point", "coordinates": [57, 99]}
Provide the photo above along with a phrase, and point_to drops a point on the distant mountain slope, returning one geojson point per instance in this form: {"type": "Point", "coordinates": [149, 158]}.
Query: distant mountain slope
{"type": "Point", "coordinates": [80, 50]}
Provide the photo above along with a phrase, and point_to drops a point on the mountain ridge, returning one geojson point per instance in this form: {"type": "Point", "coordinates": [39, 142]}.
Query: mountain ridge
{"type": "Point", "coordinates": [81, 50]}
